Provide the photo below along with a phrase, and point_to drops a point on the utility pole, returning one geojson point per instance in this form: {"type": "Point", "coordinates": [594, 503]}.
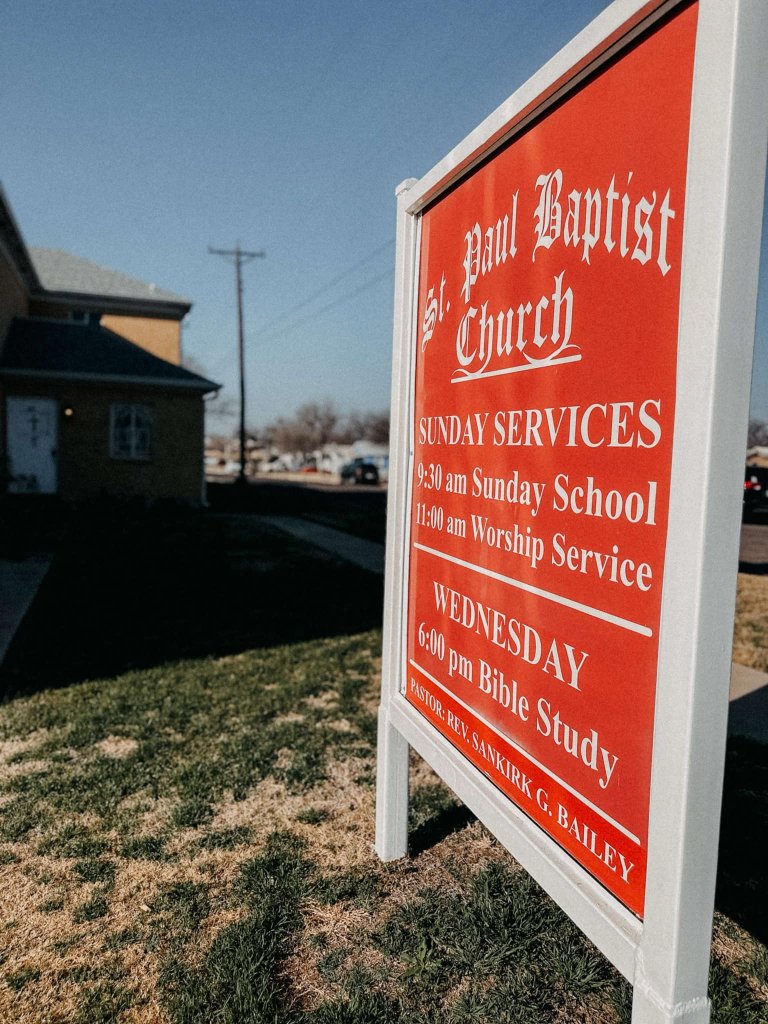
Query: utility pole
{"type": "Point", "coordinates": [239, 257]}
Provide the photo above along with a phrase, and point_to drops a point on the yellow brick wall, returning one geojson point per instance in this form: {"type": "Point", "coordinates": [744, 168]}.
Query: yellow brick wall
{"type": "Point", "coordinates": [86, 468]}
{"type": "Point", "coordinates": [160, 337]}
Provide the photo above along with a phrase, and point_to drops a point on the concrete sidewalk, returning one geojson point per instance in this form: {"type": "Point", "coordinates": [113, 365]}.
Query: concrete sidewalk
{"type": "Point", "coordinates": [19, 582]}
{"type": "Point", "coordinates": [366, 554]}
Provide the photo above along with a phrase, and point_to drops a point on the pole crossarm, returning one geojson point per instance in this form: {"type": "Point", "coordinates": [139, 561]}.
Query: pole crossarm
{"type": "Point", "coordinates": [245, 255]}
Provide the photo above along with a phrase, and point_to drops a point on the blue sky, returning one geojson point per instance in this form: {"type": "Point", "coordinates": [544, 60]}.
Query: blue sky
{"type": "Point", "coordinates": [138, 134]}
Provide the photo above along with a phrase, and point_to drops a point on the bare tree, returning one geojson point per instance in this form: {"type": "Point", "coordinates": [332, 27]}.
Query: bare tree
{"type": "Point", "coordinates": [377, 427]}
{"type": "Point", "coordinates": [313, 425]}
{"type": "Point", "coordinates": [319, 420]}
{"type": "Point", "coordinates": [757, 434]}
{"type": "Point", "coordinates": [286, 435]}
{"type": "Point", "coordinates": [365, 426]}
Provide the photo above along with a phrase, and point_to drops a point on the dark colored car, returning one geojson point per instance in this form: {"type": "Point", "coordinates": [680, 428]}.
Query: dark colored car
{"type": "Point", "coordinates": [755, 490]}
{"type": "Point", "coordinates": [359, 471]}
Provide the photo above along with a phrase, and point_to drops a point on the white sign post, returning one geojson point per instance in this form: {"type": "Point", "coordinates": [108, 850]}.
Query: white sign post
{"type": "Point", "coordinates": [639, 879]}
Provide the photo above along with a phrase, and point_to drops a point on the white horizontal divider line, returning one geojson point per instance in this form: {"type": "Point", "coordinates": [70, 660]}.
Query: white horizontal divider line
{"type": "Point", "coordinates": [547, 771]}
{"type": "Point", "coordinates": [598, 613]}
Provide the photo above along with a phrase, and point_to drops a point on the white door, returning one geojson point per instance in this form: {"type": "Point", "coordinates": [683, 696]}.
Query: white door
{"type": "Point", "coordinates": [33, 433]}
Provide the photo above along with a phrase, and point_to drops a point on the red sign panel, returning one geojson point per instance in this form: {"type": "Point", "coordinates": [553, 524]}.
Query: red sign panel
{"type": "Point", "coordinates": [549, 289]}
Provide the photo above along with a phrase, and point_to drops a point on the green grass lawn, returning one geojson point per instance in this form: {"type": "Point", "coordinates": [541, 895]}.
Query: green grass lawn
{"type": "Point", "coordinates": [187, 837]}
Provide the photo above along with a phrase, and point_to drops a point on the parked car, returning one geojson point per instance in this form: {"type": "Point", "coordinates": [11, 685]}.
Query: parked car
{"type": "Point", "coordinates": [274, 465]}
{"type": "Point", "coordinates": [755, 490]}
{"type": "Point", "coordinates": [359, 471]}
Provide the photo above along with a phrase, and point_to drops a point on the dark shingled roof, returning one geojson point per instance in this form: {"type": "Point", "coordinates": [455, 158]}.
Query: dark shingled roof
{"type": "Point", "coordinates": [83, 351]}
{"type": "Point", "coordinates": [60, 271]}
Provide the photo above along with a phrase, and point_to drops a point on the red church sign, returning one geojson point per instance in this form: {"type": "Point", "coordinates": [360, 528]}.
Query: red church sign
{"type": "Point", "coordinates": [574, 320]}
{"type": "Point", "coordinates": [549, 290]}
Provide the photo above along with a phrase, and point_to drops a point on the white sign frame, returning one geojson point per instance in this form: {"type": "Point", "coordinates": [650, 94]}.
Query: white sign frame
{"type": "Point", "coordinates": [666, 955]}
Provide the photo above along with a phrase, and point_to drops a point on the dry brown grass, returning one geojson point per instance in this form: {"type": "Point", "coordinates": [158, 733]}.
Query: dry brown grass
{"type": "Point", "coordinates": [50, 943]}
{"type": "Point", "coordinates": [344, 841]}
{"type": "Point", "coordinates": [287, 719]}
{"type": "Point", "coordinates": [590, 1011]}
{"type": "Point", "coordinates": [156, 815]}
{"type": "Point", "coordinates": [61, 959]}
{"type": "Point", "coordinates": [734, 947]}
{"type": "Point", "coordinates": [116, 746]}
{"type": "Point", "coordinates": [61, 950]}
{"type": "Point", "coordinates": [750, 636]}
{"type": "Point", "coordinates": [322, 701]}
{"type": "Point", "coordinates": [11, 771]}
{"type": "Point", "coordinates": [20, 744]}
{"type": "Point", "coordinates": [349, 928]}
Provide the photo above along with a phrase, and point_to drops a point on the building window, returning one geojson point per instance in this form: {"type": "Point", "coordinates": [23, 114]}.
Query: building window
{"type": "Point", "coordinates": [130, 432]}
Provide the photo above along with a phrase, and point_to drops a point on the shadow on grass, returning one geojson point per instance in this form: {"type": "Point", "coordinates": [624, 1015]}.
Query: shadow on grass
{"type": "Point", "coordinates": [742, 882]}
{"type": "Point", "coordinates": [443, 824]}
{"type": "Point", "coordinates": [754, 568]}
{"type": "Point", "coordinates": [132, 589]}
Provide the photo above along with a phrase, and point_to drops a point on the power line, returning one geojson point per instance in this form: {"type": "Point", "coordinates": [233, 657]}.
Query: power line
{"type": "Point", "coordinates": [324, 288]}
{"type": "Point", "coordinates": [221, 365]}
{"type": "Point", "coordinates": [226, 359]}
{"type": "Point", "coordinates": [271, 335]}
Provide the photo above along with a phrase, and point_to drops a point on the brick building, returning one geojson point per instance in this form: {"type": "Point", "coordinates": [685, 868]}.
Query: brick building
{"type": "Point", "coordinates": [93, 399]}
